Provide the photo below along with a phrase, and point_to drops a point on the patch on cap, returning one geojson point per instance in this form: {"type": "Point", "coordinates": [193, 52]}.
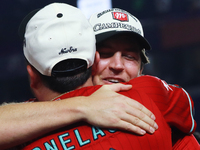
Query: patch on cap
{"type": "Point", "coordinates": [120, 16]}
{"type": "Point", "coordinates": [114, 21]}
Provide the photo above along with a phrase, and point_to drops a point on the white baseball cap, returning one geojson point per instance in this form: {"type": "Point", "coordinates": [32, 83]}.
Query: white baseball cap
{"type": "Point", "coordinates": [55, 33]}
{"type": "Point", "coordinates": [114, 21]}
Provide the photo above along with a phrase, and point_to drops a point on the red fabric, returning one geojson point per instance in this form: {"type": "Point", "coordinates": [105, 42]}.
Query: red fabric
{"type": "Point", "coordinates": [188, 142]}
{"type": "Point", "coordinates": [173, 102]}
{"type": "Point", "coordinates": [102, 139]}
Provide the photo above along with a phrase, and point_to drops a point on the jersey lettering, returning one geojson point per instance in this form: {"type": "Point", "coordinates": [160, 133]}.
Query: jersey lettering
{"type": "Point", "coordinates": [49, 147]}
{"type": "Point", "coordinates": [64, 142]}
{"type": "Point", "coordinates": [80, 141]}
{"type": "Point", "coordinates": [96, 131]}
{"type": "Point", "coordinates": [112, 131]}
{"type": "Point", "coordinates": [65, 139]}
{"type": "Point", "coordinates": [36, 148]}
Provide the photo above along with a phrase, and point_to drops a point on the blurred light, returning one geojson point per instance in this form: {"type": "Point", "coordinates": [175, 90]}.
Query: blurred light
{"type": "Point", "coordinates": [89, 7]}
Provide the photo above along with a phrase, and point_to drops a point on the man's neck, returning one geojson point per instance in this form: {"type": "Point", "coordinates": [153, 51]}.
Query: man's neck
{"type": "Point", "coordinates": [87, 83]}
{"type": "Point", "coordinates": [45, 94]}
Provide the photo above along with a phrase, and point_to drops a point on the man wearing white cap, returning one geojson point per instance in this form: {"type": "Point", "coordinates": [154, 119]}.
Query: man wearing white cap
{"type": "Point", "coordinates": [121, 44]}
{"type": "Point", "coordinates": [126, 47]}
{"type": "Point", "coordinates": [49, 39]}
{"type": "Point", "coordinates": [57, 71]}
{"type": "Point", "coordinates": [48, 43]}
{"type": "Point", "coordinates": [119, 32]}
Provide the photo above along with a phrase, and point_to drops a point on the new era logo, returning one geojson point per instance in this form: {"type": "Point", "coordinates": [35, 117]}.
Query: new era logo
{"type": "Point", "coordinates": [65, 50]}
{"type": "Point", "coordinates": [120, 16]}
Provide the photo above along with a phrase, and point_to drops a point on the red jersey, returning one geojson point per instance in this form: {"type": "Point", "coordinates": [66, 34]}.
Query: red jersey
{"type": "Point", "coordinates": [174, 102]}
{"type": "Point", "coordinates": [171, 105]}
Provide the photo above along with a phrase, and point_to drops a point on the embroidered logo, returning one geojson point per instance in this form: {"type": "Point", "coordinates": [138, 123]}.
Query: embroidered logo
{"type": "Point", "coordinates": [120, 16]}
{"type": "Point", "coordinates": [65, 50]}
{"type": "Point", "coordinates": [112, 25]}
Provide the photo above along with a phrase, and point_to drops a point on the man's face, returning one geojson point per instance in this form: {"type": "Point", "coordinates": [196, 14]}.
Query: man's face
{"type": "Point", "coordinates": [120, 60]}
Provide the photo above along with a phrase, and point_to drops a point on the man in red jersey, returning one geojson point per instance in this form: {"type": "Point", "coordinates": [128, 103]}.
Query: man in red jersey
{"type": "Point", "coordinates": [40, 121]}
{"type": "Point", "coordinates": [49, 38]}
{"type": "Point", "coordinates": [72, 137]}
{"type": "Point", "coordinates": [118, 33]}
{"type": "Point", "coordinates": [98, 132]}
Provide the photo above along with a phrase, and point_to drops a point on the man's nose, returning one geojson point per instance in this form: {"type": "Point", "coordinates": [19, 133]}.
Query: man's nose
{"type": "Point", "coordinates": [116, 62]}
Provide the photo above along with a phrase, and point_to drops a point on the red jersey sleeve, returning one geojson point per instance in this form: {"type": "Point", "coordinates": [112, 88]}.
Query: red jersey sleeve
{"type": "Point", "coordinates": [174, 102]}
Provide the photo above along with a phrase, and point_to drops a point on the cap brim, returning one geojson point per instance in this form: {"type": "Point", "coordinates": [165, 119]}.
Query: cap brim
{"type": "Point", "coordinates": [22, 26]}
{"type": "Point", "coordinates": [74, 66]}
{"type": "Point", "coordinates": [143, 42]}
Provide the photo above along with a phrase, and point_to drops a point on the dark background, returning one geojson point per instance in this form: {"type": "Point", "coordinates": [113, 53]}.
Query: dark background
{"type": "Point", "coordinates": [171, 26]}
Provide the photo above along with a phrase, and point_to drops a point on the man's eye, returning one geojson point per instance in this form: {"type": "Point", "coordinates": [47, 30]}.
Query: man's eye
{"type": "Point", "coordinates": [129, 57]}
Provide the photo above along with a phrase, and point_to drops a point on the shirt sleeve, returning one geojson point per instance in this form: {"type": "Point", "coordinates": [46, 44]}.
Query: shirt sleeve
{"type": "Point", "coordinates": [174, 102]}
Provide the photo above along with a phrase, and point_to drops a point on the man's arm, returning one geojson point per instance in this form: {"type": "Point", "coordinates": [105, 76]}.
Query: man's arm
{"type": "Point", "coordinates": [21, 122]}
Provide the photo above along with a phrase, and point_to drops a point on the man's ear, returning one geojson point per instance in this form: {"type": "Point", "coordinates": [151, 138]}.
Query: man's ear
{"type": "Point", "coordinates": [33, 76]}
{"type": "Point", "coordinates": [96, 61]}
